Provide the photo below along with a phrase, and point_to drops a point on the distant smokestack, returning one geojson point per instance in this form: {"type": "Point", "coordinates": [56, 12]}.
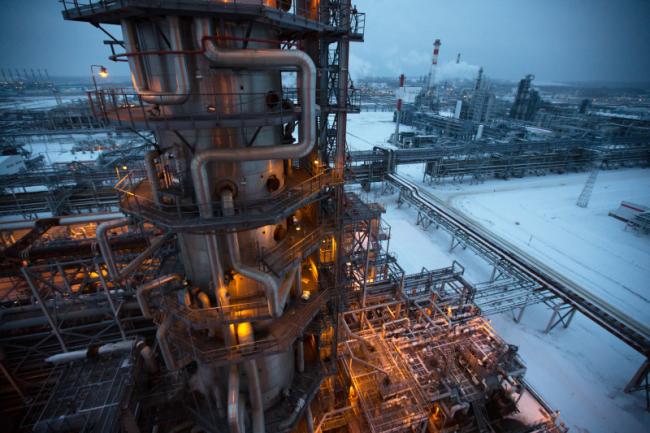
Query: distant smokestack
{"type": "Point", "coordinates": [479, 80]}
{"type": "Point", "coordinates": [398, 113]}
{"type": "Point", "coordinates": [434, 65]}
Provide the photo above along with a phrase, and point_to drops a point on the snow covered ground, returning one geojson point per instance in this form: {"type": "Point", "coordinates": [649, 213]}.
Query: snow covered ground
{"type": "Point", "coordinates": [371, 128]}
{"type": "Point", "coordinates": [582, 370]}
{"type": "Point", "coordinates": [36, 102]}
{"type": "Point", "coordinates": [540, 216]}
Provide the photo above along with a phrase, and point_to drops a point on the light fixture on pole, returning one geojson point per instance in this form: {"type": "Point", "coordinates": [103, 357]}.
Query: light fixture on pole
{"type": "Point", "coordinates": [103, 73]}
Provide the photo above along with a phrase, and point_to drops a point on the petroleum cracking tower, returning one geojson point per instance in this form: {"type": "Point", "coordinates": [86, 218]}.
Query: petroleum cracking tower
{"type": "Point", "coordinates": [245, 184]}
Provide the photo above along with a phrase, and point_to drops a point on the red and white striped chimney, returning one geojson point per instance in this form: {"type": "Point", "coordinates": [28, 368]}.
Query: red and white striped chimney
{"type": "Point", "coordinates": [434, 65]}
{"type": "Point", "coordinates": [398, 114]}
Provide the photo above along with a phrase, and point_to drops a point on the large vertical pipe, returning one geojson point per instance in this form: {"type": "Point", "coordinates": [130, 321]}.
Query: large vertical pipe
{"type": "Point", "coordinates": [245, 336]}
{"type": "Point", "coordinates": [150, 168]}
{"type": "Point", "coordinates": [344, 49]}
{"type": "Point", "coordinates": [234, 420]}
{"type": "Point", "coordinates": [309, 418]}
{"type": "Point", "coordinates": [300, 355]}
{"type": "Point", "coordinates": [138, 74]}
{"type": "Point", "coordinates": [255, 395]}
{"type": "Point", "coordinates": [298, 283]}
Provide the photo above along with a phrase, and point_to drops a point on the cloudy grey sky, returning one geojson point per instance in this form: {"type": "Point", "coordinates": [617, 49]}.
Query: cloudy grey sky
{"type": "Point", "coordinates": [557, 40]}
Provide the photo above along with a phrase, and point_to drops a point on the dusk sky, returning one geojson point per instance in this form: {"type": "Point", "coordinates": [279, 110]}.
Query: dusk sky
{"type": "Point", "coordinates": [557, 40]}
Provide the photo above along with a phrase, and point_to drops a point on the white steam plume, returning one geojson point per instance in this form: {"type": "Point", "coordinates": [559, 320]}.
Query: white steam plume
{"type": "Point", "coordinates": [456, 71]}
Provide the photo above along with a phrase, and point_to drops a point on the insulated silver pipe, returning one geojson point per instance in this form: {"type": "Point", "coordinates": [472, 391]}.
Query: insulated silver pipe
{"type": "Point", "coordinates": [104, 247]}
{"type": "Point", "coordinates": [120, 346]}
{"type": "Point", "coordinates": [270, 284]}
{"type": "Point", "coordinates": [264, 59]}
{"type": "Point", "coordinates": [63, 220]}
{"type": "Point", "coordinates": [300, 355]}
{"type": "Point", "coordinates": [275, 291]}
{"type": "Point", "coordinates": [150, 168]}
{"type": "Point", "coordinates": [102, 240]}
{"type": "Point", "coordinates": [245, 336]}
{"type": "Point", "coordinates": [147, 355]}
{"type": "Point", "coordinates": [285, 288]}
{"type": "Point", "coordinates": [255, 394]}
{"type": "Point", "coordinates": [294, 414]}
{"type": "Point", "coordinates": [298, 286]}
{"type": "Point", "coordinates": [234, 420]}
{"type": "Point", "coordinates": [143, 291]}
{"type": "Point", "coordinates": [182, 91]}
{"type": "Point", "coordinates": [309, 418]}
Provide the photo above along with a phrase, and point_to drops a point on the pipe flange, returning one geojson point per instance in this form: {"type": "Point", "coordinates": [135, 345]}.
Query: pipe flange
{"type": "Point", "coordinates": [226, 185]}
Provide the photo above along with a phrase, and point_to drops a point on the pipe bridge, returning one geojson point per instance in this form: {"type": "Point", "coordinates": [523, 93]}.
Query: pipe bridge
{"type": "Point", "coordinates": [496, 250]}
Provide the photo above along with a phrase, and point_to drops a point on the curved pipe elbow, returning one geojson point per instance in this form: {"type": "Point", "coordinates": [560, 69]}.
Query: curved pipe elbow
{"type": "Point", "coordinates": [271, 285]}
{"type": "Point", "coordinates": [143, 291]}
{"type": "Point", "coordinates": [264, 59]}
{"type": "Point", "coordinates": [147, 356]}
{"type": "Point", "coordinates": [204, 300]}
{"type": "Point", "coordinates": [101, 234]}
{"type": "Point", "coordinates": [182, 91]}
{"type": "Point", "coordinates": [288, 282]}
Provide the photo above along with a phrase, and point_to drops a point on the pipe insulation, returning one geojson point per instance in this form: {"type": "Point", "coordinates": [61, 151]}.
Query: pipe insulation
{"type": "Point", "coordinates": [138, 75]}
{"type": "Point", "coordinates": [107, 253]}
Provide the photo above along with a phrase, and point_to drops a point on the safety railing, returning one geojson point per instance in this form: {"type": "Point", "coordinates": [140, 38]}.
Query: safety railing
{"type": "Point", "coordinates": [283, 332]}
{"type": "Point", "coordinates": [357, 23]}
{"type": "Point", "coordinates": [82, 7]}
{"type": "Point", "coordinates": [216, 317]}
{"type": "Point", "coordinates": [126, 108]}
{"type": "Point", "coordinates": [293, 249]}
{"type": "Point", "coordinates": [137, 199]}
{"type": "Point", "coordinates": [354, 100]}
{"type": "Point", "coordinates": [337, 15]}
